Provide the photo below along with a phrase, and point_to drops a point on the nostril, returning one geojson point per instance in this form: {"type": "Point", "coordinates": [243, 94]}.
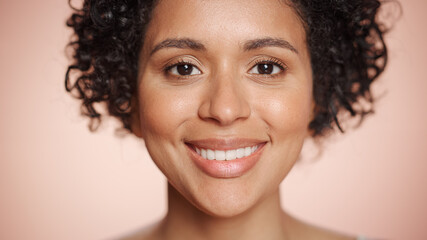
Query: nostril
{"type": "Point", "coordinates": [225, 100]}
{"type": "Point", "coordinates": [225, 114]}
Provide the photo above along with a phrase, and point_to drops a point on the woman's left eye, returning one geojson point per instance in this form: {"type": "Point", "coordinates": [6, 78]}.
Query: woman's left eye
{"type": "Point", "coordinates": [184, 69]}
{"type": "Point", "coordinates": [266, 69]}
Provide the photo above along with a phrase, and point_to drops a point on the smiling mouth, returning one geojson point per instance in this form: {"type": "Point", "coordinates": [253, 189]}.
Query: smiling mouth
{"type": "Point", "coordinates": [225, 158]}
{"type": "Point", "coordinates": [226, 155]}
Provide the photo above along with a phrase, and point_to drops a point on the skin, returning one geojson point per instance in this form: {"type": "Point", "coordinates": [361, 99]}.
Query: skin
{"type": "Point", "coordinates": [224, 98]}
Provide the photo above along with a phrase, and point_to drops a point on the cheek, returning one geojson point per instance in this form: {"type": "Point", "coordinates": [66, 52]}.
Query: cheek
{"type": "Point", "coordinates": [163, 110]}
{"type": "Point", "coordinates": [286, 112]}
{"type": "Point", "coordinates": [160, 113]}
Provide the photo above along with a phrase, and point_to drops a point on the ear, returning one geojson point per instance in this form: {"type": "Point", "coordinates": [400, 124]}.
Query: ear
{"type": "Point", "coordinates": [135, 121]}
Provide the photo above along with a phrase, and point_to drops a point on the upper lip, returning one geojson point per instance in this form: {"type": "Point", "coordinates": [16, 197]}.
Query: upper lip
{"type": "Point", "coordinates": [224, 143]}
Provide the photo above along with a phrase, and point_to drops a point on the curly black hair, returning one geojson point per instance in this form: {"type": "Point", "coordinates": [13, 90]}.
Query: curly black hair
{"type": "Point", "coordinates": [345, 41]}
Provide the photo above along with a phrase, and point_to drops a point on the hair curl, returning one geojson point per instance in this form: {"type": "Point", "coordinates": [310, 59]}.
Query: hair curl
{"type": "Point", "coordinates": [344, 38]}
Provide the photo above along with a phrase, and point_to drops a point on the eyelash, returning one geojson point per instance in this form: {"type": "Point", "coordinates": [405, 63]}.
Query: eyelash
{"type": "Point", "coordinates": [272, 61]}
{"type": "Point", "coordinates": [168, 67]}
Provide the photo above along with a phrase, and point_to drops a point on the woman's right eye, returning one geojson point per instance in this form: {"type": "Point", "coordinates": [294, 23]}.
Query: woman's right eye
{"type": "Point", "coordinates": [183, 69]}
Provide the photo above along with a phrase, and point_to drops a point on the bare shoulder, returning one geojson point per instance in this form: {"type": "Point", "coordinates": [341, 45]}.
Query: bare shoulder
{"type": "Point", "coordinates": [302, 230]}
{"type": "Point", "coordinates": [149, 232]}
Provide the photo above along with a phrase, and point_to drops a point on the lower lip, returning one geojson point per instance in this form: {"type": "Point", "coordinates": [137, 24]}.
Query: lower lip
{"type": "Point", "coordinates": [226, 169]}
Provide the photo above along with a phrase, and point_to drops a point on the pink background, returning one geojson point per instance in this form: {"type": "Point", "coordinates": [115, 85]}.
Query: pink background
{"type": "Point", "coordinates": [59, 181]}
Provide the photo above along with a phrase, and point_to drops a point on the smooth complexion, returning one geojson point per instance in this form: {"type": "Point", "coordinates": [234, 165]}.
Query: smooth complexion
{"type": "Point", "coordinates": [219, 76]}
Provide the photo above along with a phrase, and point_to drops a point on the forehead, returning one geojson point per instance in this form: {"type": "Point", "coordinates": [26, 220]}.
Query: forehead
{"type": "Point", "coordinates": [219, 22]}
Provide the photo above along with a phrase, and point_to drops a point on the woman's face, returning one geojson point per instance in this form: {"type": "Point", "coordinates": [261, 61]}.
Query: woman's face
{"type": "Point", "coordinates": [224, 80]}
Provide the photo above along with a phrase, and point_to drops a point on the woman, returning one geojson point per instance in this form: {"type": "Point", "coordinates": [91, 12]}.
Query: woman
{"type": "Point", "coordinates": [224, 93]}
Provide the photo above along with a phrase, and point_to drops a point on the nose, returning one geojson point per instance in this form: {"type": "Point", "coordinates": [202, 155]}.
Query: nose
{"type": "Point", "coordinates": [226, 101]}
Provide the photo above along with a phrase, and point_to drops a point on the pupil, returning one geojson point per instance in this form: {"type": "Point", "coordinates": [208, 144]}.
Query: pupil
{"type": "Point", "coordinates": [185, 69]}
{"type": "Point", "coordinates": [265, 68]}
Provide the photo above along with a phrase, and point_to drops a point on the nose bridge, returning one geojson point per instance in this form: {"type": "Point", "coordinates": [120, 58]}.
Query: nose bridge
{"type": "Point", "coordinates": [227, 99]}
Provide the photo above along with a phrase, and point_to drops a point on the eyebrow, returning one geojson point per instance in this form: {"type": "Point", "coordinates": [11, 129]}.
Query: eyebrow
{"type": "Point", "coordinates": [248, 45]}
{"type": "Point", "coordinates": [179, 43]}
{"type": "Point", "coordinates": [268, 42]}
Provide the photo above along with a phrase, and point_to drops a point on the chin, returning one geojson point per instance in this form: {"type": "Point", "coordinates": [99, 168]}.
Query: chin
{"type": "Point", "coordinates": [227, 209]}
{"type": "Point", "coordinates": [226, 199]}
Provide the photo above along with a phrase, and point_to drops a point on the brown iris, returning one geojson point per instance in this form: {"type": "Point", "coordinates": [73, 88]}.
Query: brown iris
{"type": "Point", "coordinates": [265, 68]}
{"type": "Point", "coordinates": [184, 69]}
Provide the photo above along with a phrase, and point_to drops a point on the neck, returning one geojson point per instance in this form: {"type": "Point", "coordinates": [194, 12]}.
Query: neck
{"type": "Point", "coordinates": [265, 220]}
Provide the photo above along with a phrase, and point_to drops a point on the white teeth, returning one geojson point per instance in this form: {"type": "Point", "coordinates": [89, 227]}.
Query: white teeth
{"type": "Point", "coordinates": [248, 151]}
{"type": "Point", "coordinates": [210, 154]}
{"type": "Point", "coordinates": [240, 152]}
{"type": "Point", "coordinates": [230, 155]}
{"type": "Point", "coordinates": [220, 155]}
{"type": "Point", "coordinates": [203, 153]}
{"type": "Point", "coordinates": [254, 148]}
